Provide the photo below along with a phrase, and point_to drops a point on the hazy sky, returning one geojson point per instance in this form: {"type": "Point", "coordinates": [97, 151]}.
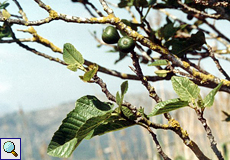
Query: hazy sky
{"type": "Point", "coordinates": [31, 82]}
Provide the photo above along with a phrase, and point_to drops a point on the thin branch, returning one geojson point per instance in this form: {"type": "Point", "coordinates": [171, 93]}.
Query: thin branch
{"type": "Point", "coordinates": [190, 9]}
{"type": "Point", "coordinates": [18, 5]}
{"type": "Point", "coordinates": [187, 141]}
{"type": "Point", "coordinates": [216, 30]}
{"type": "Point", "coordinates": [144, 41]}
{"type": "Point", "coordinates": [106, 8]}
{"type": "Point", "coordinates": [198, 67]}
{"type": "Point", "coordinates": [219, 67]}
{"type": "Point", "coordinates": [212, 3]}
{"type": "Point", "coordinates": [218, 37]}
{"type": "Point", "coordinates": [158, 146]}
{"type": "Point", "coordinates": [94, 8]}
{"type": "Point", "coordinates": [131, 14]}
{"type": "Point", "coordinates": [145, 21]}
{"type": "Point", "coordinates": [39, 53]}
{"type": "Point", "coordinates": [209, 134]}
{"type": "Point", "coordinates": [17, 40]}
{"type": "Point", "coordinates": [138, 71]}
{"type": "Point", "coordinates": [21, 10]}
{"type": "Point", "coordinates": [43, 5]}
{"type": "Point", "coordinates": [86, 7]}
{"type": "Point", "coordinates": [140, 119]}
{"type": "Point", "coordinates": [39, 39]}
{"type": "Point", "coordinates": [222, 57]}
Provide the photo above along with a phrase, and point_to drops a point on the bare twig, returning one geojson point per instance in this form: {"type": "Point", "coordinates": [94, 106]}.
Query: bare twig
{"type": "Point", "coordinates": [190, 9]}
{"type": "Point", "coordinates": [158, 146]}
{"type": "Point", "coordinates": [138, 71]}
{"type": "Point", "coordinates": [41, 40]}
{"type": "Point", "coordinates": [187, 141]}
{"type": "Point", "coordinates": [94, 8]}
{"type": "Point", "coordinates": [86, 7]}
{"type": "Point", "coordinates": [212, 3]}
{"type": "Point", "coordinates": [222, 57]}
{"type": "Point", "coordinates": [216, 30]}
{"type": "Point", "coordinates": [17, 40]}
{"type": "Point", "coordinates": [43, 5]}
{"type": "Point", "coordinates": [209, 134]}
{"type": "Point", "coordinates": [106, 8]}
{"type": "Point", "coordinates": [18, 5]}
{"type": "Point", "coordinates": [219, 67]}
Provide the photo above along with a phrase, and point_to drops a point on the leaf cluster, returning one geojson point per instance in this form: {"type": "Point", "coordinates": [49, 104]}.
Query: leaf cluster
{"type": "Point", "coordinates": [189, 95]}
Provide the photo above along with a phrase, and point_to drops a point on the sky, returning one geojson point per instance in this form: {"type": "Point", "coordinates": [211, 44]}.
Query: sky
{"type": "Point", "coordinates": [30, 82]}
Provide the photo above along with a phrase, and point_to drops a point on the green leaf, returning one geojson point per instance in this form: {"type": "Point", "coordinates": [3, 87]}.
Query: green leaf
{"type": "Point", "coordinates": [142, 112]}
{"type": "Point", "coordinates": [168, 105]}
{"type": "Point", "coordinates": [159, 63]}
{"type": "Point", "coordinates": [151, 2]}
{"type": "Point", "coordinates": [5, 31]}
{"type": "Point", "coordinates": [179, 46]}
{"type": "Point", "coordinates": [161, 73]}
{"type": "Point", "coordinates": [197, 40]}
{"type": "Point", "coordinates": [4, 5]}
{"type": "Point", "coordinates": [185, 89]}
{"type": "Point", "coordinates": [71, 55]}
{"type": "Point", "coordinates": [182, 46]}
{"type": "Point", "coordinates": [125, 3]}
{"type": "Point", "coordinates": [200, 102]}
{"type": "Point", "coordinates": [209, 99]}
{"type": "Point", "coordinates": [88, 114]}
{"type": "Point", "coordinates": [140, 3]}
{"type": "Point", "coordinates": [113, 123]}
{"type": "Point", "coordinates": [128, 113]}
{"type": "Point", "coordinates": [124, 88]}
{"type": "Point", "coordinates": [73, 67]}
{"type": "Point", "coordinates": [118, 99]}
{"type": "Point", "coordinates": [168, 31]}
{"type": "Point", "coordinates": [121, 57]}
{"type": "Point", "coordinates": [89, 74]}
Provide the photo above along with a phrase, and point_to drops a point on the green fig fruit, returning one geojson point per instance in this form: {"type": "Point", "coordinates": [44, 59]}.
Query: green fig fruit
{"type": "Point", "coordinates": [110, 35]}
{"type": "Point", "coordinates": [126, 44]}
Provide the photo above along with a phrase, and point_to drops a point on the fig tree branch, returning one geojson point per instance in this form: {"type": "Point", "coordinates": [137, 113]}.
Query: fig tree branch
{"type": "Point", "coordinates": [190, 9]}
{"type": "Point", "coordinates": [219, 67]}
{"type": "Point", "coordinates": [208, 131]}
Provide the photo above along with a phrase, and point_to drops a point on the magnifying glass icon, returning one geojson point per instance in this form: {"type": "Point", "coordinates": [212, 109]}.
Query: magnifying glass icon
{"type": "Point", "coordinates": [9, 147]}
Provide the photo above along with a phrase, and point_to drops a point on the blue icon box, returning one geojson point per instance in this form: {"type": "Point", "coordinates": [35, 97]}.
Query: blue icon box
{"type": "Point", "coordinates": [10, 148]}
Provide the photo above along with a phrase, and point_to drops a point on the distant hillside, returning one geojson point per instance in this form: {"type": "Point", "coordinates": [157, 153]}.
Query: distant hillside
{"type": "Point", "coordinates": [37, 128]}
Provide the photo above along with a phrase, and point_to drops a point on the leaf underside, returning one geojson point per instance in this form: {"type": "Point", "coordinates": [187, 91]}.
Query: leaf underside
{"type": "Point", "coordinates": [185, 89]}
{"type": "Point", "coordinates": [71, 55]}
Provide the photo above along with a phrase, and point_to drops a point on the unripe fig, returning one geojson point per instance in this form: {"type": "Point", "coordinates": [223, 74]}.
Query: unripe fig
{"type": "Point", "coordinates": [110, 35]}
{"type": "Point", "coordinates": [126, 44]}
